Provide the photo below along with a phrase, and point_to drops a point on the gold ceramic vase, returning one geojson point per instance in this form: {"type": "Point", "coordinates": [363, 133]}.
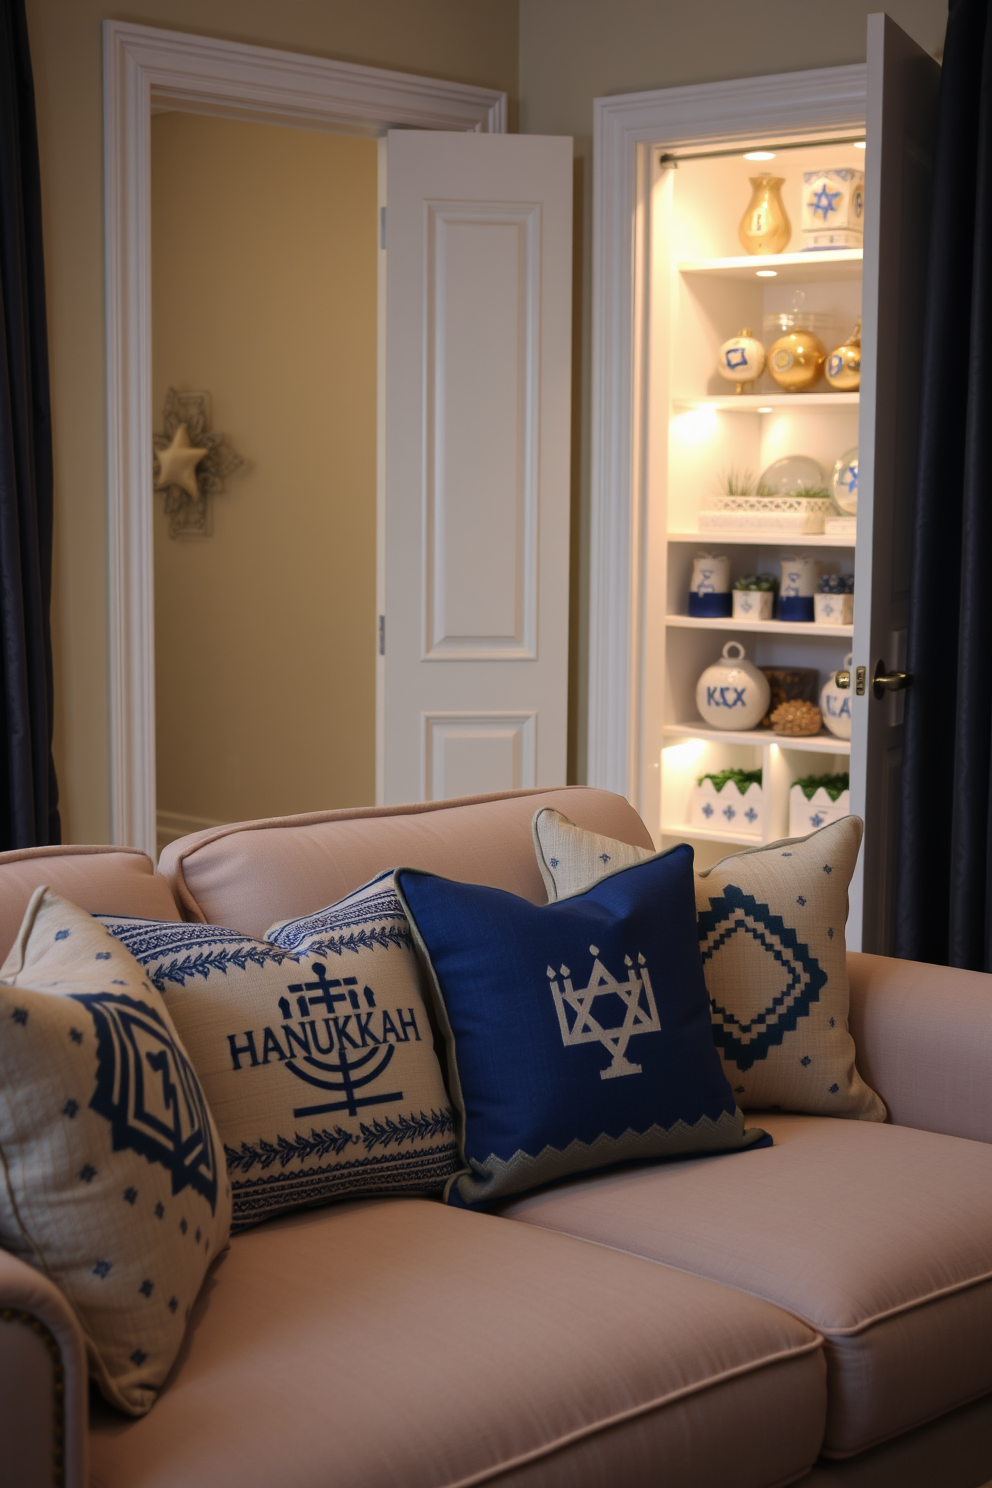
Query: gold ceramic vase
{"type": "Point", "coordinates": [765, 226]}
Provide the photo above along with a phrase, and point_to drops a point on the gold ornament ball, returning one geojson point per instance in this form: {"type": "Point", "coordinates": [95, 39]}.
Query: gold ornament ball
{"type": "Point", "coordinates": [843, 366]}
{"type": "Point", "coordinates": [797, 718]}
{"type": "Point", "coordinates": [796, 361]}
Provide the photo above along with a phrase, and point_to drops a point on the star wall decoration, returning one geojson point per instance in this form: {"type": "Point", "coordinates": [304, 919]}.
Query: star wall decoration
{"type": "Point", "coordinates": [190, 463]}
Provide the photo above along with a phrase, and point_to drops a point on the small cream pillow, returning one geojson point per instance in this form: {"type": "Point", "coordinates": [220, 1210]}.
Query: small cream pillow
{"type": "Point", "coordinates": [113, 1179]}
{"type": "Point", "coordinates": [771, 934]}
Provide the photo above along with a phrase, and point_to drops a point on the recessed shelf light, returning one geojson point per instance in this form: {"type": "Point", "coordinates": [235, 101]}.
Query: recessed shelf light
{"type": "Point", "coordinates": [861, 144]}
{"type": "Point", "coordinates": [767, 273]}
{"type": "Point", "coordinates": [766, 410]}
{"type": "Point", "coordinates": [760, 155]}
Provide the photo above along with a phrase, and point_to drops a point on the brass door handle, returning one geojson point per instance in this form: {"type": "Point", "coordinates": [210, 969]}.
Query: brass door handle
{"type": "Point", "coordinates": [843, 679]}
{"type": "Point", "coordinates": [885, 681]}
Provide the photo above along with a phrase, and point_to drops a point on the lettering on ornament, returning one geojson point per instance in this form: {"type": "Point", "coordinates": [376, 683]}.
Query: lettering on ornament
{"type": "Point", "coordinates": [725, 697]}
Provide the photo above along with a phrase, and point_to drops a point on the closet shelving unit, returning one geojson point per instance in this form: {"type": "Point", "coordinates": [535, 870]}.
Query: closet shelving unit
{"type": "Point", "coordinates": [711, 292]}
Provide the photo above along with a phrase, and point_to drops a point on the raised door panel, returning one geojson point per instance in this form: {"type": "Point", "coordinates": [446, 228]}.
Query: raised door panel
{"type": "Point", "coordinates": [474, 491]}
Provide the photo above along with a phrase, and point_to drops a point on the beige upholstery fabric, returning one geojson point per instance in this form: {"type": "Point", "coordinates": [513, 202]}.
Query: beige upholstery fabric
{"type": "Point", "coordinates": [924, 1041]}
{"type": "Point", "coordinates": [112, 1175]}
{"type": "Point", "coordinates": [955, 1451]}
{"type": "Point", "coordinates": [249, 875]}
{"type": "Point", "coordinates": [115, 880]}
{"type": "Point", "coordinates": [878, 1236]}
{"type": "Point", "coordinates": [29, 1409]}
{"type": "Point", "coordinates": [396, 1343]}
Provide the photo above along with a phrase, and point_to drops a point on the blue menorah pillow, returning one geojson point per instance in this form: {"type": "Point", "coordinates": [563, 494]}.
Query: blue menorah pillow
{"type": "Point", "coordinates": [578, 1033]}
{"type": "Point", "coordinates": [314, 1050]}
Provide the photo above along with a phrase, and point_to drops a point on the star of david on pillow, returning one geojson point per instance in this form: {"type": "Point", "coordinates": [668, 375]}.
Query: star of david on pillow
{"type": "Point", "coordinates": [102, 1118]}
{"type": "Point", "coordinates": [577, 1034]}
{"type": "Point", "coordinates": [771, 933]}
{"type": "Point", "coordinates": [314, 1049]}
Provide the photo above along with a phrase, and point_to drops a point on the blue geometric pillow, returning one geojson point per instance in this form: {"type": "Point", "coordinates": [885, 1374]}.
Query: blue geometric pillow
{"type": "Point", "coordinates": [578, 1033]}
{"type": "Point", "coordinates": [316, 1054]}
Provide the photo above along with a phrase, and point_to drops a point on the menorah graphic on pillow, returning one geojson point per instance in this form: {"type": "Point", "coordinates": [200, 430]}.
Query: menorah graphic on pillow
{"type": "Point", "coordinates": [633, 1002]}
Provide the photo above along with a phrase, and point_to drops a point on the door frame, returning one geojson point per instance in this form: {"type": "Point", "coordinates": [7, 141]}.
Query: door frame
{"type": "Point", "coordinates": [147, 69]}
{"type": "Point", "coordinates": [622, 744]}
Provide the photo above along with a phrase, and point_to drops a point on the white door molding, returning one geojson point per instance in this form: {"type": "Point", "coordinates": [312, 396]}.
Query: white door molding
{"type": "Point", "coordinates": [788, 107]}
{"type": "Point", "coordinates": [146, 69]}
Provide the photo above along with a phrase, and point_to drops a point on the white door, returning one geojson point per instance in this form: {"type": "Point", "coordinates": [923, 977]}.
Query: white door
{"type": "Point", "coordinates": [902, 100]}
{"type": "Point", "coordinates": [474, 464]}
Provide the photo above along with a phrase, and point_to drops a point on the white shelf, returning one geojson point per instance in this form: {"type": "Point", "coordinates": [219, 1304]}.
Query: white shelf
{"type": "Point", "coordinates": [790, 268]}
{"type": "Point", "coordinates": [764, 627]}
{"type": "Point", "coordinates": [710, 834]}
{"type": "Point", "coordinates": [755, 402]}
{"type": "Point", "coordinates": [822, 743]}
{"type": "Point", "coordinates": [766, 539]}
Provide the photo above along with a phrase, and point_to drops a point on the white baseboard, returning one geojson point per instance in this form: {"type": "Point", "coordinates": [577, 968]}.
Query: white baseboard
{"type": "Point", "coordinates": [172, 824]}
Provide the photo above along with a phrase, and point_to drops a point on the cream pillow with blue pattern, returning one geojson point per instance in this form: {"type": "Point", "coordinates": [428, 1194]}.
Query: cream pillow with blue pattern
{"type": "Point", "coordinates": [113, 1179]}
{"type": "Point", "coordinates": [771, 926]}
{"type": "Point", "coordinates": [314, 1049]}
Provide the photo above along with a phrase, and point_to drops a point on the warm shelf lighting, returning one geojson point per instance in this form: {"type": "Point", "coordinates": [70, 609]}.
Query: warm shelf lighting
{"type": "Point", "coordinates": [767, 273]}
{"type": "Point", "coordinates": [766, 410]}
{"type": "Point", "coordinates": [760, 155]}
{"type": "Point", "coordinates": [861, 144]}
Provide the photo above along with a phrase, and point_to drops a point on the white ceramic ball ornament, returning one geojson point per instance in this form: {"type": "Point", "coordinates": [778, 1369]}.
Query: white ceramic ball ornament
{"type": "Point", "coordinates": [741, 359]}
{"type": "Point", "coordinates": [835, 703]}
{"type": "Point", "coordinates": [732, 693]}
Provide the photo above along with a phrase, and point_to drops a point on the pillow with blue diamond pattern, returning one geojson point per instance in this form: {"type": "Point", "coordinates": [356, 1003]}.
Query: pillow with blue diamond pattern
{"type": "Point", "coordinates": [314, 1049]}
{"type": "Point", "coordinates": [771, 926]}
{"type": "Point", "coordinates": [113, 1180]}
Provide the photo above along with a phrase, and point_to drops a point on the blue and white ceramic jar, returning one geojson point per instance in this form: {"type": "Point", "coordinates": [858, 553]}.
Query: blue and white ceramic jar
{"type": "Point", "coordinates": [800, 579]}
{"type": "Point", "coordinates": [732, 693]}
{"type": "Point", "coordinates": [709, 589]}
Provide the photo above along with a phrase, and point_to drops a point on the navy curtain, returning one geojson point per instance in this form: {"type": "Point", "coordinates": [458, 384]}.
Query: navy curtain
{"type": "Point", "coordinates": [28, 793]}
{"type": "Point", "coordinates": [945, 876]}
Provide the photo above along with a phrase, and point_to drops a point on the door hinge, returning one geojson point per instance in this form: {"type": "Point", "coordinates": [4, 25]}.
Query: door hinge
{"type": "Point", "coordinates": [382, 227]}
{"type": "Point", "coordinates": [382, 635]}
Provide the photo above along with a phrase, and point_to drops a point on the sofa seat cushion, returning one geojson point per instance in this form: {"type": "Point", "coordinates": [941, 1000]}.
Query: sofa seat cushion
{"type": "Point", "coordinates": [398, 1343]}
{"type": "Point", "coordinates": [879, 1237]}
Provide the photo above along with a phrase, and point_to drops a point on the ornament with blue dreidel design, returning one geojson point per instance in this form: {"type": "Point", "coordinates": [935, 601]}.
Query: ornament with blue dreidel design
{"type": "Point", "coordinates": [732, 693]}
{"type": "Point", "coordinates": [835, 703]}
{"type": "Point", "coordinates": [741, 359]}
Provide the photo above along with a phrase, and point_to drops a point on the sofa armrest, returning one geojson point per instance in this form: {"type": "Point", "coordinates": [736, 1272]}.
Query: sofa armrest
{"type": "Point", "coordinates": [43, 1382]}
{"type": "Point", "coordinates": [924, 1039]}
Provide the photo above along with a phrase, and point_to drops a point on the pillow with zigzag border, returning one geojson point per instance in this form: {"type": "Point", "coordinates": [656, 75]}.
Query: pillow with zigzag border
{"type": "Point", "coordinates": [314, 1050]}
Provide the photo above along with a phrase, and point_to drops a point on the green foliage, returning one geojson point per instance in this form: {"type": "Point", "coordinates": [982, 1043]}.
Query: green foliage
{"type": "Point", "coordinates": [832, 784]}
{"type": "Point", "coordinates": [741, 778]}
{"type": "Point", "coordinates": [766, 583]}
{"type": "Point", "coordinates": [734, 482]}
{"type": "Point", "coordinates": [806, 492]}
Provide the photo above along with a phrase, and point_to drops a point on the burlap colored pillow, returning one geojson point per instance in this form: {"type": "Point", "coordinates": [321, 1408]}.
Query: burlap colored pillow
{"type": "Point", "coordinates": [113, 1178]}
{"type": "Point", "coordinates": [771, 933]}
{"type": "Point", "coordinates": [314, 1049]}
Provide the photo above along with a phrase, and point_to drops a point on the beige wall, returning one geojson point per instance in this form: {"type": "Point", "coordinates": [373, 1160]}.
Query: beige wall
{"type": "Point", "coordinates": [264, 294]}
{"type": "Point", "coordinates": [470, 41]}
{"type": "Point", "coordinates": [572, 51]}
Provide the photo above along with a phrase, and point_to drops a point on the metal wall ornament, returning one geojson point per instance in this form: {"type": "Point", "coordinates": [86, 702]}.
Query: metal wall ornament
{"type": "Point", "coordinates": [190, 463]}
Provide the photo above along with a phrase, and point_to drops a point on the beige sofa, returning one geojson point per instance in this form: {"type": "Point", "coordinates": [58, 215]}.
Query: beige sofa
{"type": "Point", "coordinates": [820, 1310]}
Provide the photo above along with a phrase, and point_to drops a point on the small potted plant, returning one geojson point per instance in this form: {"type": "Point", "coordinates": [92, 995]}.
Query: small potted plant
{"type": "Point", "coordinates": [729, 801]}
{"type": "Point", "coordinates": [833, 603]}
{"type": "Point", "coordinates": [754, 596]}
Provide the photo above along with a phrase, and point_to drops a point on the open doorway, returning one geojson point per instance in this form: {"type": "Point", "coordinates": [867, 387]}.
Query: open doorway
{"type": "Point", "coordinates": [264, 296]}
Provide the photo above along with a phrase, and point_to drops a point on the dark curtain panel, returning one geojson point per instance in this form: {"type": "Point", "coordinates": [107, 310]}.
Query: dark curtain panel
{"type": "Point", "coordinates": [28, 793]}
{"type": "Point", "coordinates": [945, 881]}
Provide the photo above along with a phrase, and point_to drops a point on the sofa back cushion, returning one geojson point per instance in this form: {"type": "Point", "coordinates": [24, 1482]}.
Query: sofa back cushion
{"type": "Point", "coordinates": [108, 880]}
{"type": "Point", "coordinates": [253, 873]}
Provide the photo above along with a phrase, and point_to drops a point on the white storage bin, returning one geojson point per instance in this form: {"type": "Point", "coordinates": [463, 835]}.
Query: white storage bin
{"type": "Point", "coordinates": [728, 810]}
{"type": "Point", "coordinates": [807, 816]}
